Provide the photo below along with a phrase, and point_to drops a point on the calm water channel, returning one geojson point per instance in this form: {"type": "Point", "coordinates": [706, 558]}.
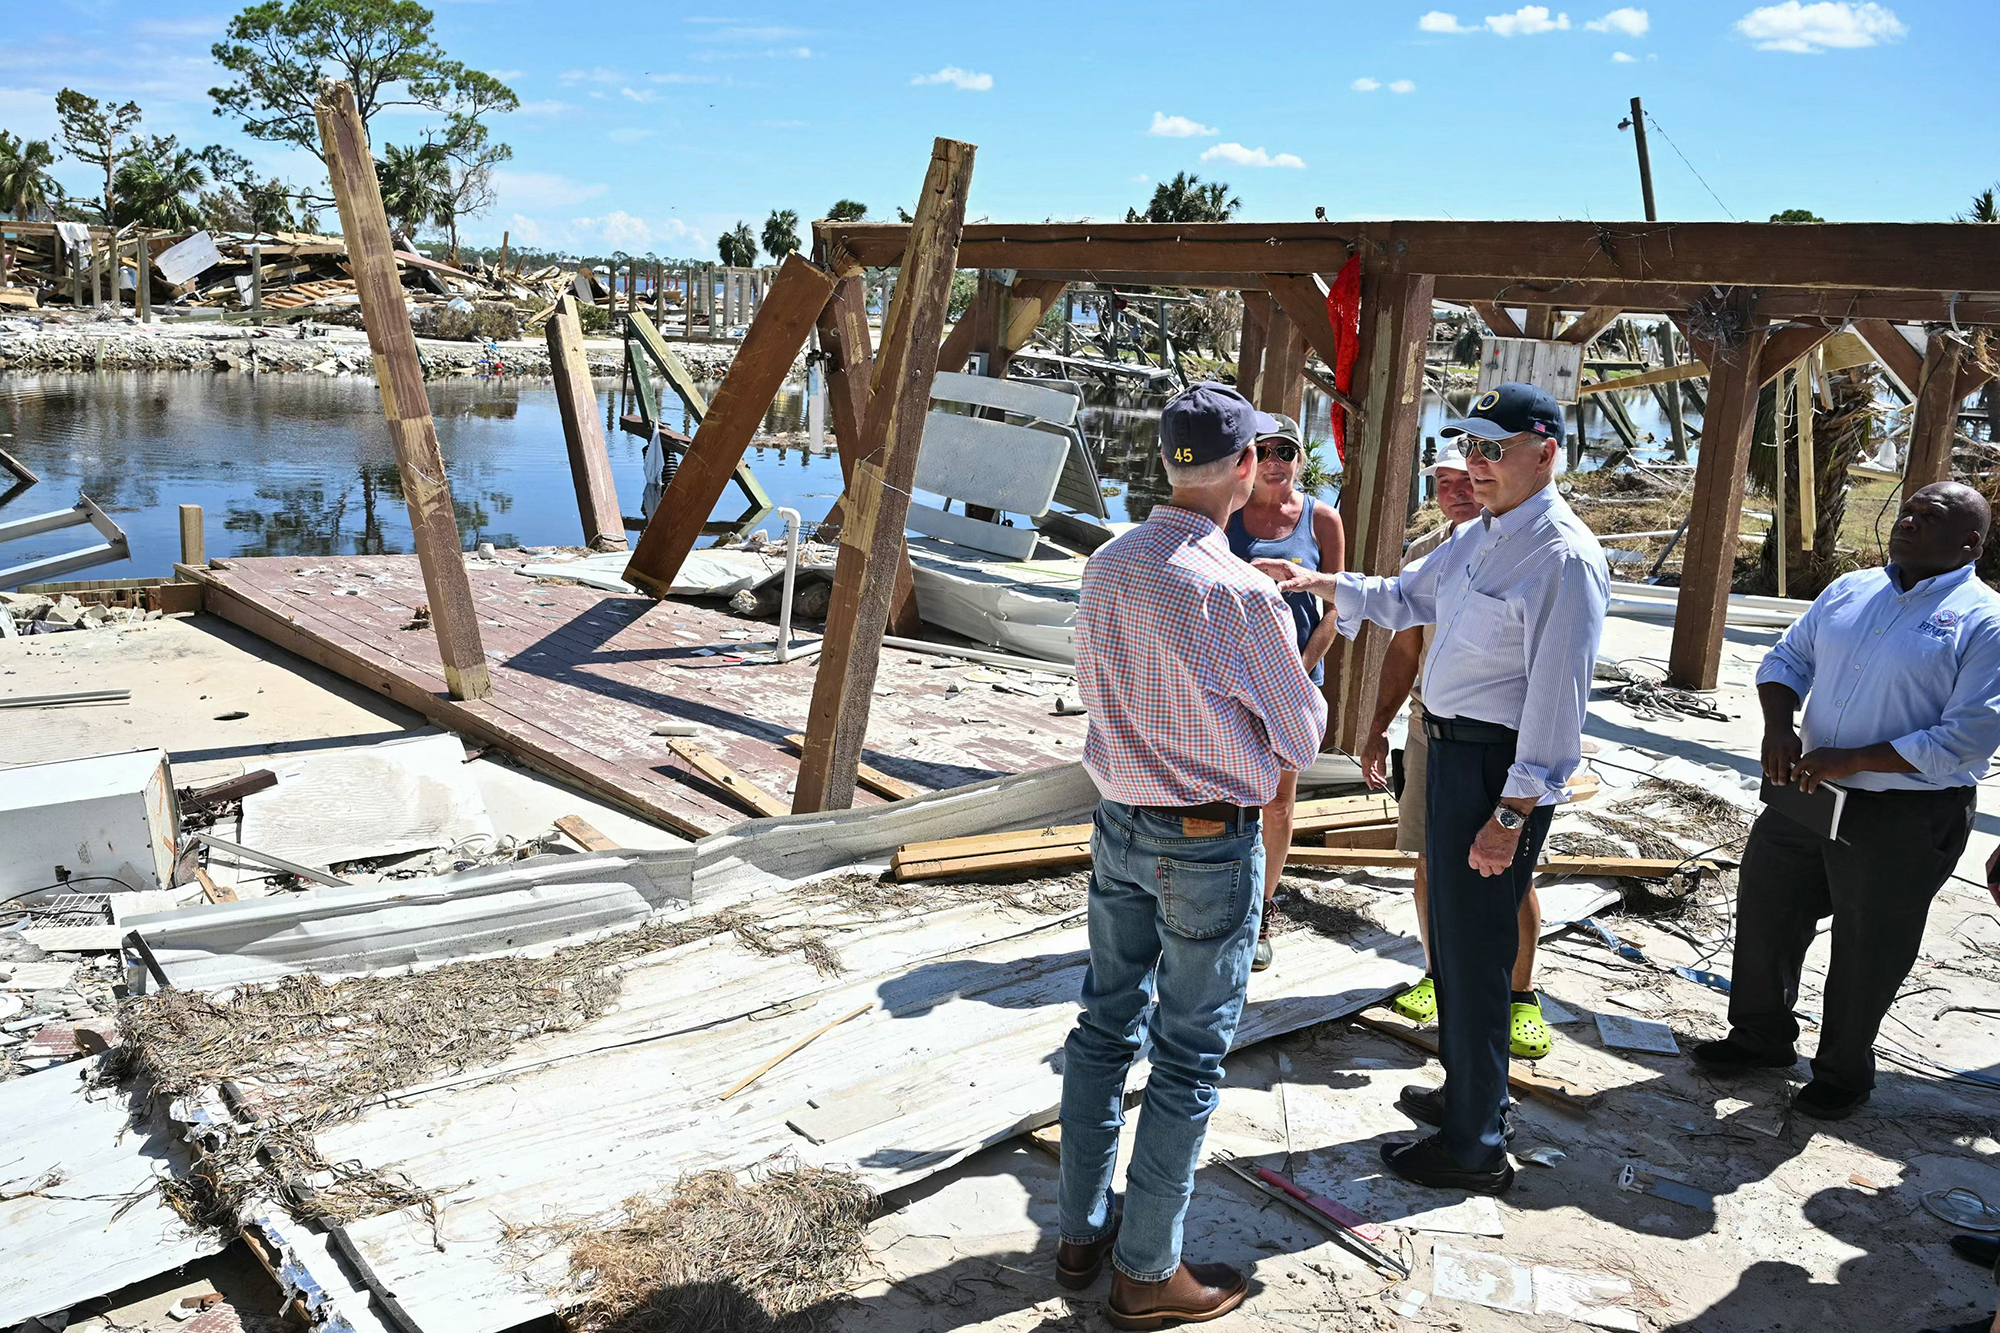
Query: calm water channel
{"type": "Point", "coordinates": [301, 464]}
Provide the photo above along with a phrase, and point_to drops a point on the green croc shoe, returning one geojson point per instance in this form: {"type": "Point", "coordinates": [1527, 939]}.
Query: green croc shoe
{"type": "Point", "coordinates": [1528, 1037]}
{"type": "Point", "coordinates": [1419, 1003]}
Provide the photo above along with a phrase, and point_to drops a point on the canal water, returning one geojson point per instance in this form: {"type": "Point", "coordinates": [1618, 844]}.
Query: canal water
{"type": "Point", "coordinates": [300, 465]}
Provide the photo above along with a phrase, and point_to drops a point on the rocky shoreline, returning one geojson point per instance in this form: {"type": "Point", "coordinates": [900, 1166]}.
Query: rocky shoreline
{"type": "Point", "coordinates": [41, 342]}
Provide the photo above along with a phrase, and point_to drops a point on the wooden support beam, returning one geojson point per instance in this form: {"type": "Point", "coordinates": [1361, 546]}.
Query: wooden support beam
{"type": "Point", "coordinates": [400, 375]}
{"type": "Point", "coordinates": [1395, 329]}
{"type": "Point", "coordinates": [1590, 323]}
{"type": "Point", "coordinates": [1933, 257]}
{"type": "Point", "coordinates": [1687, 370]}
{"type": "Point", "coordinates": [1498, 319]}
{"type": "Point", "coordinates": [1541, 322]}
{"type": "Point", "coordinates": [1250, 347]}
{"type": "Point", "coordinates": [1898, 356]}
{"type": "Point", "coordinates": [1935, 420]}
{"type": "Point", "coordinates": [1898, 303]}
{"type": "Point", "coordinates": [1281, 387]}
{"type": "Point", "coordinates": [737, 410]}
{"type": "Point", "coordinates": [1784, 347]}
{"type": "Point", "coordinates": [1302, 296]}
{"type": "Point", "coordinates": [1716, 507]}
{"type": "Point", "coordinates": [23, 474]}
{"type": "Point", "coordinates": [879, 501]}
{"type": "Point", "coordinates": [850, 368]}
{"type": "Point", "coordinates": [676, 371]}
{"type": "Point", "coordinates": [583, 431]}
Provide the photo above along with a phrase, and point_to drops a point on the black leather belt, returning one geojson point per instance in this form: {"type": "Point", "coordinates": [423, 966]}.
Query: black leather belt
{"type": "Point", "coordinates": [1470, 730]}
{"type": "Point", "coordinates": [1215, 812]}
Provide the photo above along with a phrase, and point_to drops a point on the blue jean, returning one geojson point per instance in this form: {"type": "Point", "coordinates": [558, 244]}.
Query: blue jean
{"type": "Point", "coordinates": [1173, 923]}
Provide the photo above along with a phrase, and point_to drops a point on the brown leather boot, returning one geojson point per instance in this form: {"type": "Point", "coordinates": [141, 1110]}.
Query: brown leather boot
{"type": "Point", "coordinates": [1195, 1294]}
{"type": "Point", "coordinates": [1077, 1266]}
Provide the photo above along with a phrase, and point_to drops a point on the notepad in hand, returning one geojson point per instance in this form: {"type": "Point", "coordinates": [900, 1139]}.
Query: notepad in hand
{"type": "Point", "coordinates": [1819, 811]}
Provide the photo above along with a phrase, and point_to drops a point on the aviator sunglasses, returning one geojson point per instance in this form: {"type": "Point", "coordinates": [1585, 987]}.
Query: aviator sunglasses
{"type": "Point", "coordinates": [1492, 450]}
{"type": "Point", "coordinates": [1282, 450]}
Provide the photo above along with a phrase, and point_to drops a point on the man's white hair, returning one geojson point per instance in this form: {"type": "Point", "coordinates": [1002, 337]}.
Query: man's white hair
{"type": "Point", "coordinates": [1200, 476]}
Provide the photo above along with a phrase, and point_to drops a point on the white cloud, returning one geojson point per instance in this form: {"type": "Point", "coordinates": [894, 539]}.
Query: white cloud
{"type": "Point", "coordinates": [1179, 127]}
{"type": "Point", "coordinates": [1631, 22]}
{"type": "Point", "coordinates": [1810, 29]}
{"type": "Point", "coordinates": [637, 94]}
{"type": "Point", "coordinates": [962, 79]}
{"type": "Point", "coordinates": [1620, 58]}
{"type": "Point", "coordinates": [684, 78]}
{"type": "Point", "coordinates": [1403, 86]}
{"type": "Point", "coordinates": [1439, 21]}
{"type": "Point", "coordinates": [1527, 21]}
{"type": "Point", "coordinates": [1237, 155]}
{"type": "Point", "coordinates": [526, 231]}
{"type": "Point", "coordinates": [1365, 84]}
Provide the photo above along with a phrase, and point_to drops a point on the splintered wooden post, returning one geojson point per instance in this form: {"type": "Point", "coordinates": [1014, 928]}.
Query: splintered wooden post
{"type": "Point", "coordinates": [1382, 449]}
{"type": "Point", "coordinates": [589, 463]}
{"type": "Point", "coordinates": [734, 414]}
{"type": "Point", "coordinates": [1715, 512]}
{"type": "Point", "coordinates": [1250, 347]}
{"type": "Point", "coordinates": [194, 548]}
{"type": "Point", "coordinates": [864, 579]}
{"type": "Point", "coordinates": [1935, 419]}
{"type": "Point", "coordinates": [400, 375]}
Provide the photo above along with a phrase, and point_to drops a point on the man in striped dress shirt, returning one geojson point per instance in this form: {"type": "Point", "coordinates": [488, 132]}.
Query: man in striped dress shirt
{"type": "Point", "coordinates": [1189, 666]}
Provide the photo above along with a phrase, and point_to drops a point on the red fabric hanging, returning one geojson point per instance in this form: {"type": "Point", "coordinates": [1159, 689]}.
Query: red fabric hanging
{"type": "Point", "coordinates": [1343, 311]}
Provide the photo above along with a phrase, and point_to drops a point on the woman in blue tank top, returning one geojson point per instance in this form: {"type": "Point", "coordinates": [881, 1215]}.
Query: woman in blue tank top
{"type": "Point", "coordinates": [1281, 522]}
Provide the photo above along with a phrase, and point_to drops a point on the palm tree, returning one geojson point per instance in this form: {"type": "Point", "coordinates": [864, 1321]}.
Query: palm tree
{"type": "Point", "coordinates": [160, 185]}
{"type": "Point", "coordinates": [781, 233]}
{"type": "Point", "coordinates": [416, 185]}
{"type": "Point", "coordinates": [738, 246]}
{"type": "Point", "coordinates": [1187, 198]}
{"type": "Point", "coordinates": [1983, 209]}
{"type": "Point", "coordinates": [847, 210]}
{"type": "Point", "coordinates": [25, 184]}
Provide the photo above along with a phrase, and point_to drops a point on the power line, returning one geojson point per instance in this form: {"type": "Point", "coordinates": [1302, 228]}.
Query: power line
{"type": "Point", "coordinates": [1655, 122]}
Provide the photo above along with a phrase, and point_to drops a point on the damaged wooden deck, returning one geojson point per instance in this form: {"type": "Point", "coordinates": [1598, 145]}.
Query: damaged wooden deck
{"type": "Point", "coordinates": [581, 677]}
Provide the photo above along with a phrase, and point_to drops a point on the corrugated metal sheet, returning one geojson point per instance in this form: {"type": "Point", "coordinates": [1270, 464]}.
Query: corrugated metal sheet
{"type": "Point", "coordinates": [79, 1215]}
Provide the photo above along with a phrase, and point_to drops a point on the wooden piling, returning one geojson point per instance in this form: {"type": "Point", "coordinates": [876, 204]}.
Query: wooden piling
{"type": "Point", "coordinates": [589, 462]}
{"type": "Point", "coordinates": [194, 547]}
{"type": "Point", "coordinates": [399, 373]}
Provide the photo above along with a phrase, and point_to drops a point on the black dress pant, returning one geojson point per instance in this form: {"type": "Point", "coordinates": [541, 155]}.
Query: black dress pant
{"type": "Point", "coordinates": [1897, 850]}
{"type": "Point", "coordinates": [1474, 939]}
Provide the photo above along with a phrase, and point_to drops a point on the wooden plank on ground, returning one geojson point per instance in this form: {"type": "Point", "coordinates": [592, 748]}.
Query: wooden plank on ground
{"type": "Point", "coordinates": [1376, 836]}
{"type": "Point", "coordinates": [762, 362]}
{"type": "Point", "coordinates": [585, 835]}
{"type": "Point", "coordinates": [400, 375]}
{"type": "Point", "coordinates": [754, 798]}
{"type": "Point", "coordinates": [583, 432]}
{"type": "Point", "coordinates": [212, 891]}
{"type": "Point", "coordinates": [870, 779]}
{"type": "Point", "coordinates": [992, 844]}
{"type": "Point", "coordinates": [1622, 867]}
{"type": "Point", "coordinates": [865, 574]}
{"type": "Point", "coordinates": [1057, 856]}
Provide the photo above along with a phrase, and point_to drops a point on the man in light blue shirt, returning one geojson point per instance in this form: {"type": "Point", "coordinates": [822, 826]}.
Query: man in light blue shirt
{"type": "Point", "coordinates": [1518, 597]}
{"type": "Point", "coordinates": [1900, 672]}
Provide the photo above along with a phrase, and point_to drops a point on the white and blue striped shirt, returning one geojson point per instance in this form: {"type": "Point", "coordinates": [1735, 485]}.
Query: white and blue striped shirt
{"type": "Point", "coordinates": [1518, 600]}
{"type": "Point", "coordinates": [1919, 669]}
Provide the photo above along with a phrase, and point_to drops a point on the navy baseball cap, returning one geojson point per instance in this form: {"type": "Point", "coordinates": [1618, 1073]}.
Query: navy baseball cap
{"type": "Point", "coordinates": [1510, 409]}
{"type": "Point", "coordinates": [1206, 422]}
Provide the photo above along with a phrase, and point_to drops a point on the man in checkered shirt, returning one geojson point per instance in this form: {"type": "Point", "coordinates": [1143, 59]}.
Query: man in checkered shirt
{"type": "Point", "coordinates": [1189, 665]}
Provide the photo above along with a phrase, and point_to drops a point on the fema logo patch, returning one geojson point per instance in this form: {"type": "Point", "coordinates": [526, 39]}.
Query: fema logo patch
{"type": "Point", "coordinates": [1486, 400]}
{"type": "Point", "coordinates": [1940, 625]}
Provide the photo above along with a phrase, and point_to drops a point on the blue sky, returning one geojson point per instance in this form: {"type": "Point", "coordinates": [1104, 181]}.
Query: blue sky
{"type": "Point", "coordinates": [653, 128]}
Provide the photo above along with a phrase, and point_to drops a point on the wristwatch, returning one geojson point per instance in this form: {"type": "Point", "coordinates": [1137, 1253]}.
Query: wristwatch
{"type": "Point", "coordinates": [1507, 817]}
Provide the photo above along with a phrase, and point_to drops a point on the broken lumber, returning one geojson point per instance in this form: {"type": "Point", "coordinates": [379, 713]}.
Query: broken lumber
{"type": "Point", "coordinates": [878, 498]}
{"type": "Point", "coordinates": [1620, 867]}
{"type": "Point", "coordinates": [583, 432]}
{"type": "Point", "coordinates": [585, 835]}
{"type": "Point", "coordinates": [1371, 835]}
{"type": "Point", "coordinates": [753, 797]}
{"type": "Point", "coordinates": [1042, 848]}
{"type": "Point", "coordinates": [1554, 1091]}
{"type": "Point", "coordinates": [399, 373]}
{"type": "Point", "coordinates": [774, 338]}
{"type": "Point", "coordinates": [791, 1051]}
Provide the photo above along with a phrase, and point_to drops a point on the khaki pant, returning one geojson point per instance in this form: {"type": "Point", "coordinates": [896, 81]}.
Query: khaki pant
{"type": "Point", "coordinates": [1416, 772]}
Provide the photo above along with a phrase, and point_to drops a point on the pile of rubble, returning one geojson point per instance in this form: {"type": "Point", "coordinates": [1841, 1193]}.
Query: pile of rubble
{"type": "Point", "coordinates": [32, 613]}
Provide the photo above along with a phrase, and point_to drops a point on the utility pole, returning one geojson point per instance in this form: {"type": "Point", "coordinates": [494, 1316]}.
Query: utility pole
{"type": "Point", "coordinates": [1668, 357]}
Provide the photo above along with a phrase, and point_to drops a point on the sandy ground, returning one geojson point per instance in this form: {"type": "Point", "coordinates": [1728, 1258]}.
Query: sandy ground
{"type": "Point", "coordinates": [1813, 1225]}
